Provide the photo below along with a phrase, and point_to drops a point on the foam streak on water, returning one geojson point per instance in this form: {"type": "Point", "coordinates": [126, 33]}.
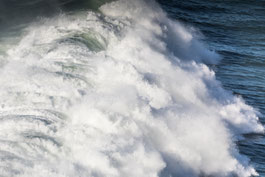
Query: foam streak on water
{"type": "Point", "coordinates": [121, 92]}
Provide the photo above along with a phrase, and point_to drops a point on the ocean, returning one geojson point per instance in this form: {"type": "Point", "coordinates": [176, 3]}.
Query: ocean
{"type": "Point", "coordinates": [132, 88]}
{"type": "Point", "coordinates": [235, 29]}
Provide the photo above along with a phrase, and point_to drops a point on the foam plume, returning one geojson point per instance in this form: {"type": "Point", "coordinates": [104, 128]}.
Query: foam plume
{"type": "Point", "coordinates": [121, 92]}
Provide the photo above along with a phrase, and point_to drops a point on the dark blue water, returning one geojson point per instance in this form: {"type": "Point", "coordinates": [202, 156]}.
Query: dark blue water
{"type": "Point", "coordinates": [236, 30]}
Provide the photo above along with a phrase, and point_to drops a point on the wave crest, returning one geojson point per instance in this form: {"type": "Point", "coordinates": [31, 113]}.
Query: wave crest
{"type": "Point", "coordinates": [145, 104]}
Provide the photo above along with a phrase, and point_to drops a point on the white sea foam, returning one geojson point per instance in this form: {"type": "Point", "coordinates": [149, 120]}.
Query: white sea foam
{"type": "Point", "coordinates": [123, 92]}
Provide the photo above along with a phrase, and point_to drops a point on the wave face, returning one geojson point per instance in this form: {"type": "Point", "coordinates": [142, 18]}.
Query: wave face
{"type": "Point", "coordinates": [14, 13]}
{"type": "Point", "coordinates": [124, 91]}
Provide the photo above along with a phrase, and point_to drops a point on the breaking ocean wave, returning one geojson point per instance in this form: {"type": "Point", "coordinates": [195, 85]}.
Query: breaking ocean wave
{"type": "Point", "coordinates": [121, 91]}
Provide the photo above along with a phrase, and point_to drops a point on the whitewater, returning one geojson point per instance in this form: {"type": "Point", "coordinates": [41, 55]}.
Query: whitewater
{"type": "Point", "coordinates": [120, 91]}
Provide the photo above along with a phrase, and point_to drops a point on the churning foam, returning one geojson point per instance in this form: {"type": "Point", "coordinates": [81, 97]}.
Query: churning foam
{"type": "Point", "coordinates": [124, 92]}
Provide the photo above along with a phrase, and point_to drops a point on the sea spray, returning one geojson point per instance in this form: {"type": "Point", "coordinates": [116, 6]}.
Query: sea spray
{"type": "Point", "coordinates": [120, 92]}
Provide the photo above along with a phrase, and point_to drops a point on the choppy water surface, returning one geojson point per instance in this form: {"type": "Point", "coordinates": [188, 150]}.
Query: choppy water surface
{"type": "Point", "coordinates": [236, 30]}
{"type": "Point", "coordinates": [100, 88]}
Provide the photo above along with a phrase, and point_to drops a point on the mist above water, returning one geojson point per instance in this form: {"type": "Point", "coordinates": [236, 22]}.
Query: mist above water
{"type": "Point", "coordinates": [122, 91]}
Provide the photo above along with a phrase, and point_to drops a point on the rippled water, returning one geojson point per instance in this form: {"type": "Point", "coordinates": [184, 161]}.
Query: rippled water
{"type": "Point", "coordinates": [236, 30]}
{"type": "Point", "coordinates": [99, 88]}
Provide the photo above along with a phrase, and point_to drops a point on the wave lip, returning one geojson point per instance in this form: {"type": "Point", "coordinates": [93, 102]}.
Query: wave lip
{"type": "Point", "coordinates": [121, 92]}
